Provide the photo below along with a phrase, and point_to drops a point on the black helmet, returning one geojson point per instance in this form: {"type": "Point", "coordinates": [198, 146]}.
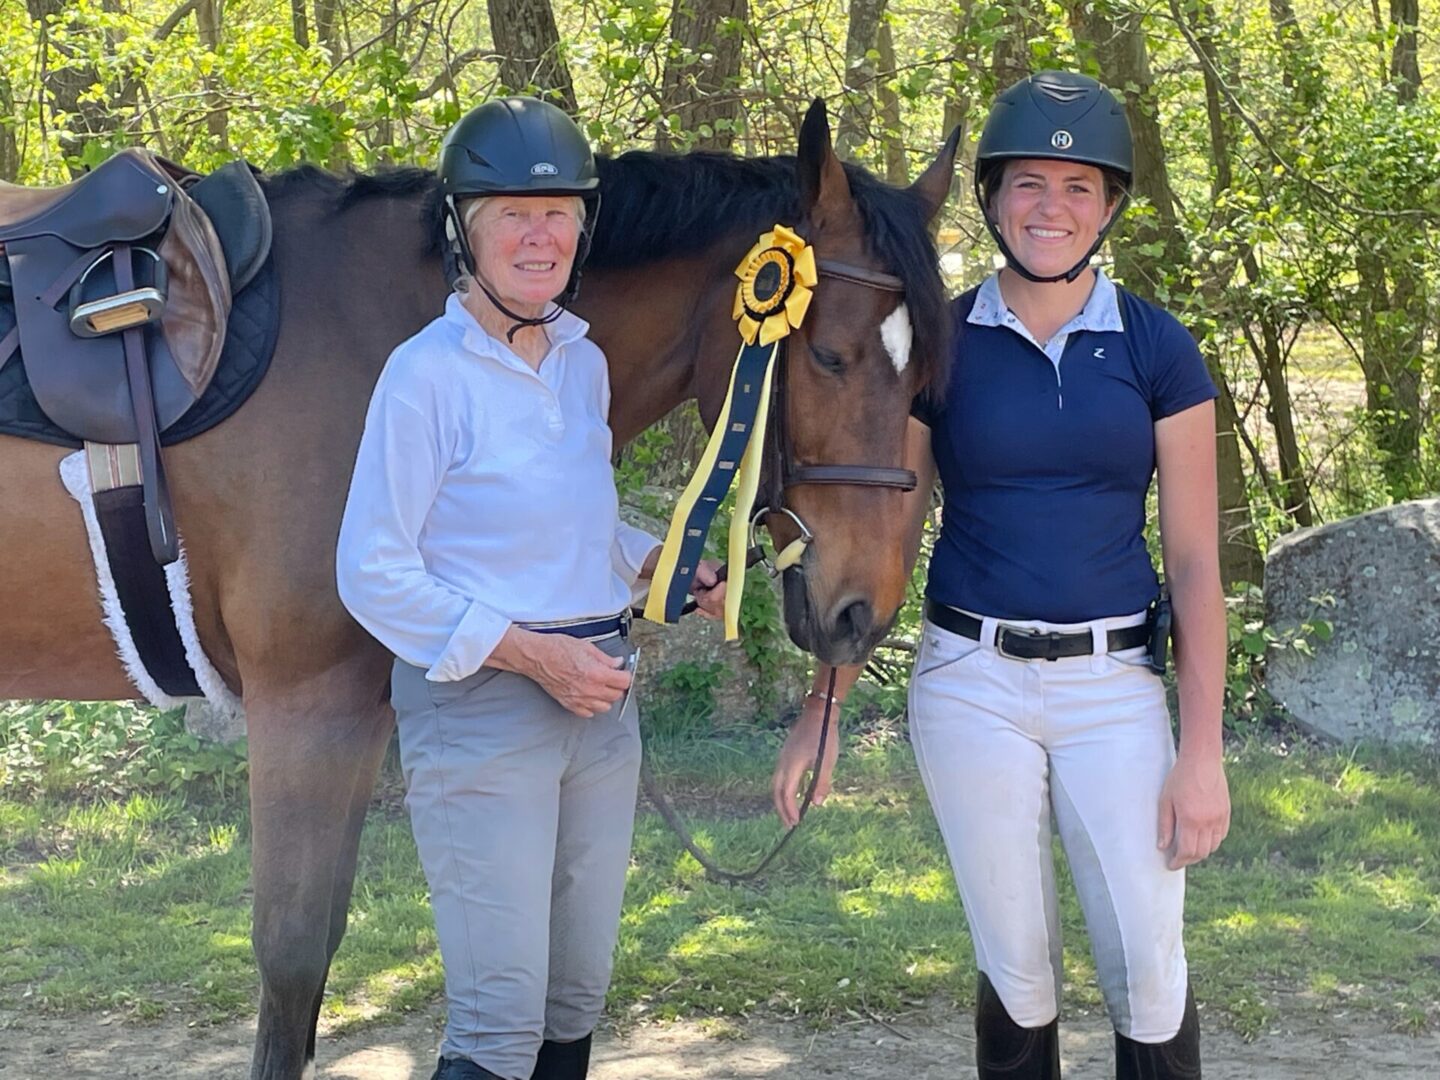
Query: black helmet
{"type": "Point", "coordinates": [517, 146]}
{"type": "Point", "coordinates": [1061, 116]}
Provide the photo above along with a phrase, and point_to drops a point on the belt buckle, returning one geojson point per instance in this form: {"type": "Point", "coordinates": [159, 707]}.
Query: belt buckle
{"type": "Point", "coordinates": [626, 618]}
{"type": "Point", "coordinates": [1029, 633]}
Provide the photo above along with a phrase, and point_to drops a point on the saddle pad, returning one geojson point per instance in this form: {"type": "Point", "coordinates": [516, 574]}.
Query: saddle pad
{"type": "Point", "coordinates": [250, 335]}
{"type": "Point", "coordinates": [146, 607]}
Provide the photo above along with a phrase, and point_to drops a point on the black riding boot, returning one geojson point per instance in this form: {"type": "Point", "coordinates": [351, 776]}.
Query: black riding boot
{"type": "Point", "coordinates": [1178, 1059]}
{"type": "Point", "coordinates": [563, 1060]}
{"type": "Point", "coordinates": [461, 1069]}
{"type": "Point", "coordinates": [1006, 1051]}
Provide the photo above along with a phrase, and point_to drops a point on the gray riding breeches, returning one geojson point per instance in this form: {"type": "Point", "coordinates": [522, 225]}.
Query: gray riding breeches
{"type": "Point", "coordinates": [522, 813]}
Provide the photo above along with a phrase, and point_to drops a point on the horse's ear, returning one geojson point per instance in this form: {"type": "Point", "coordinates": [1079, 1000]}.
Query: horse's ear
{"type": "Point", "coordinates": [933, 185]}
{"type": "Point", "coordinates": [823, 186]}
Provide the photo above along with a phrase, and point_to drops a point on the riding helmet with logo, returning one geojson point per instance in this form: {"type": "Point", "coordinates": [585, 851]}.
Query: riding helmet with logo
{"type": "Point", "coordinates": [1060, 116]}
{"type": "Point", "coordinates": [518, 146]}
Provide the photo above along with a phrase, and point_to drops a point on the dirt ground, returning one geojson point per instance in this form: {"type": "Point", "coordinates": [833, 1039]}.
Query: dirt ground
{"type": "Point", "coordinates": [934, 1043]}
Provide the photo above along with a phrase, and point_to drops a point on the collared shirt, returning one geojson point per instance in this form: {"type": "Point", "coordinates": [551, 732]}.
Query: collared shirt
{"type": "Point", "coordinates": [1046, 452]}
{"type": "Point", "coordinates": [1101, 313]}
{"type": "Point", "coordinates": [483, 495]}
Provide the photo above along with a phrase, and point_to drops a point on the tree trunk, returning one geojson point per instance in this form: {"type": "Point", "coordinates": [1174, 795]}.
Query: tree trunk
{"type": "Point", "coordinates": [529, 49]}
{"type": "Point", "coordinates": [1392, 321]}
{"type": "Point", "coordinates": [1022, 21]}
{"type": "Point", "coordinates": [67, 83]}
{"type": "Point", "coordinates": [208, 15]}
{"type": "Point", "coordinates": [702, 68]}
{"type": "Point", "coordinates": [1393, 302]}
{"type": "Point", "coordinates": [327, 26]}
{"type": "Point", "coordinates": [1270, 359]}
{"type": "Point", "coordinates": [897, 168]}
{"type": "Point", "coordinates": [1405, 59]}
{"type": "Point", "coordinates": [853, 131]}
{"type": "Point", "coordinates": [300, 23]}
{"type": "Point", "coordinates": [9, 148]}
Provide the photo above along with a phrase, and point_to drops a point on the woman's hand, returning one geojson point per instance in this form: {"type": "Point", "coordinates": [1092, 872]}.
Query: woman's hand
{"type": "Point", "coordinates": [797, 760]}
{"type": "Point", "coordinates": [1194, 809]}
{"type": "Point", "coordinates": [709, 590]}
{"type": "Point", "coordinates": [583, 679]}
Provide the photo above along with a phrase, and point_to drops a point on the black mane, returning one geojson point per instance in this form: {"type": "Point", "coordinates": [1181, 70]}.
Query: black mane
{"type": "Point", "coordinates": [350, 188]}
{"type": "Point", "coordinates": [657, 206]}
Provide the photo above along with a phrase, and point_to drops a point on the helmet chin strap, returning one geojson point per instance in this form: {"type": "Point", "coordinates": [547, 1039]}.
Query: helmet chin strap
{"type": "Point", "coordinates": [520, 321]}
{"type": "Point", "coordinates": [1069, 275]}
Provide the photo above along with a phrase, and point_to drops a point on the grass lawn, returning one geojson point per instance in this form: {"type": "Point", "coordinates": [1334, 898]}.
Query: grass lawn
{"type": "Point", "coordinates": [1328, 883]}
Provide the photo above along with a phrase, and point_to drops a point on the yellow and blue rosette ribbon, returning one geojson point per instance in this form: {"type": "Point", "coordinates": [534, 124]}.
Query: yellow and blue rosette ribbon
{"type": "Point", "coordinates": [776, 279]}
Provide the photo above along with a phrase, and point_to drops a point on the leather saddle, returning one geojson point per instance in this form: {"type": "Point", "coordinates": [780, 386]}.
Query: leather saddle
{"type": "Point", "coordinates": [122, 282]}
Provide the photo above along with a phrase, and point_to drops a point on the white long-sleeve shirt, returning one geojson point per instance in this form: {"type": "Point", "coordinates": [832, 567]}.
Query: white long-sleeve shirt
{"type": "Point", "coordinates": [483, 495]}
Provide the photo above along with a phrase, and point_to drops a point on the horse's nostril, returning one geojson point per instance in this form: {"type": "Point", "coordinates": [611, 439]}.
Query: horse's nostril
{"type": "Point", "coordinates": [853, 620]}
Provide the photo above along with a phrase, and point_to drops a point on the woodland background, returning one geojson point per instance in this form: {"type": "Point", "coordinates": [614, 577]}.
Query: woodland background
{"type": "Point", "coordinates": [1288, 172]}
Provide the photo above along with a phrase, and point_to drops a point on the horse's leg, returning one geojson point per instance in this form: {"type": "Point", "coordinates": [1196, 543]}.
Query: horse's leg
{"type": "Point", "coordinates": [314, 755]}
{"type": "Point", "coordinates": [349, 856]}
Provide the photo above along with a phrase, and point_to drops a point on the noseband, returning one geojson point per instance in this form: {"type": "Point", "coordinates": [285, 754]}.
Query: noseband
{"type": "Point", "coordinates": [786, 472]}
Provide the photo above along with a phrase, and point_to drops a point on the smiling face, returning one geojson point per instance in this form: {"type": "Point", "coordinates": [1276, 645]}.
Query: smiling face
{"type": "Point", "coordinates": [1050, 212]}
{"type": "Point", "coordinates": [525, 246]}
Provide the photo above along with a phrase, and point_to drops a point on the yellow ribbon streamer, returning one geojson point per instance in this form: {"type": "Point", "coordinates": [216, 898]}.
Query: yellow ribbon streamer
{"type": "Point", "coordinates": [776, 279]}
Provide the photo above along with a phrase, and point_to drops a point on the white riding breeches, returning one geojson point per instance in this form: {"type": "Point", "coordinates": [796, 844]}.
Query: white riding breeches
{"type": "Point", "coordinates": [1003, 745]}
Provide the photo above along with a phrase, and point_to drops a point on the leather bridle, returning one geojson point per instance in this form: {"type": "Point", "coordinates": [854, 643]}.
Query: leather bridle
{"type": "Point", "coordinates": [785, 472]}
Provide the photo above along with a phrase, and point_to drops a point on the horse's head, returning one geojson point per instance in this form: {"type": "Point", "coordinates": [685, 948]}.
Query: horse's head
{"type": "Point", "coordinates": [874, 336]}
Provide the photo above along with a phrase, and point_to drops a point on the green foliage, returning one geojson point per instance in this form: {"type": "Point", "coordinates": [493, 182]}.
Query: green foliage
{"type": "Point", "coordinates": [681, 699]}
{"type": "Point", "coordinates": [765, 641]}
{"type": "Point", "coordinates": [109, 750]}
{"type": "Point", "coordinates": [1250, 641]}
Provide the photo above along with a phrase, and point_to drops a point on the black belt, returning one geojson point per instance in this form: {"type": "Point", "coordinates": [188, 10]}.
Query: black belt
{"type": "Point", "coordinates": [1020, 644]}
{"type": "Point", "coordinates": [611, 624]}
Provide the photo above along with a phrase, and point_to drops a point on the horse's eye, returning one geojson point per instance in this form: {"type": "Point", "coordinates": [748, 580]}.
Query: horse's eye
{"type": "Point", "coordinates": [828, 360]}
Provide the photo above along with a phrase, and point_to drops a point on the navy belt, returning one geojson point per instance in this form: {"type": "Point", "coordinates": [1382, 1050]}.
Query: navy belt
{"type": "Point", "coordinates": [585, 628]}
{"type": "Point", "coordinates": [1019, 643]}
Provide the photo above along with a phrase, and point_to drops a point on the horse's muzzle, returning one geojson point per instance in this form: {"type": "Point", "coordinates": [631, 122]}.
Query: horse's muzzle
{"type": "Point", "coordinates": [843, 633]}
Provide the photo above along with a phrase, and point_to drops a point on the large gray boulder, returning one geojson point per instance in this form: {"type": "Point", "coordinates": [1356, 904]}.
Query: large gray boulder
{"type": "Point", "coordinates": [1378, 675]}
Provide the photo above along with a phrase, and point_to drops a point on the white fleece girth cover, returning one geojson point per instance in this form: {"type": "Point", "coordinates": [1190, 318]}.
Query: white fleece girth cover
{"type": "Point", "coordinates": [76, 477]}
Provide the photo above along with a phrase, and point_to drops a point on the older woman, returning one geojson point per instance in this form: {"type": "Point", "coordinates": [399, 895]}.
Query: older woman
{"type": "Point", "coordinates": [481, 543]}
{"type": "Point", "coordinates": [1035, 692]}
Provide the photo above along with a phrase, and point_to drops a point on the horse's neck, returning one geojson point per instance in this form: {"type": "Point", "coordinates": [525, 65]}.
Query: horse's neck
{"type": "Point", "coordinates": [364, 279]}
{"type": "Point", "coordinates": [663, 328]}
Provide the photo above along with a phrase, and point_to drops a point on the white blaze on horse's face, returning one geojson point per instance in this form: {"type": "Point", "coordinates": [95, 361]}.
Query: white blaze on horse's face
{"type": "Point", "coordinates": [897, 333]}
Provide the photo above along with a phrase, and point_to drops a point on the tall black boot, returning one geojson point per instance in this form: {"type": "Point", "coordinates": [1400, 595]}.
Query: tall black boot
{"type": "Point", "coordinates": [563, 1060]}
{"type": "Point", "coordinates": [461, 1069]}
{"type": "Point", "coordinates": [1006, 1051]}
{"type": "Point", "coordinates": [1177, 1059]}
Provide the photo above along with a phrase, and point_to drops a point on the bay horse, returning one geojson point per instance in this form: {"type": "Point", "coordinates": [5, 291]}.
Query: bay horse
{"type": "Point", "coordinates": [258, 498]}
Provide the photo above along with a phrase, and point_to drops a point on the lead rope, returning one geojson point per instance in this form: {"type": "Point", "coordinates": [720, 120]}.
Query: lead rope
{"type": "Point", "coordinates": [713, 870]}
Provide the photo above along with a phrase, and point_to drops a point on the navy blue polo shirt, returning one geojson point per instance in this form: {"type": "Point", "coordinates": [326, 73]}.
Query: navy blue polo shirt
{"type": "Point", "coordinates": [1045, 463]}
